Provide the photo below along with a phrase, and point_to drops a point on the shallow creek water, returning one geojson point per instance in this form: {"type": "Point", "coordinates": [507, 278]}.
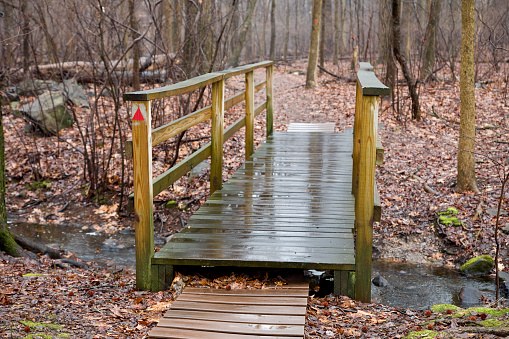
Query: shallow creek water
{"type": "Point", "coordinates": [410, 285]}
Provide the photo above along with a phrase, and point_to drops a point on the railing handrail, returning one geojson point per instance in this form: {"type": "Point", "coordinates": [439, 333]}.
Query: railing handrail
{"type": "Point", "coordinates": [192, 84]}
{"type": "Point", "coordinates": [144, 138]}
{"type": "Point", "coordinates": [365, 157]}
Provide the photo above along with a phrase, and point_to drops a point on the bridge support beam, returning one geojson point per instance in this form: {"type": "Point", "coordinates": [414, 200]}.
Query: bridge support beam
{"type": "Point", "coordinates": [344, 283]}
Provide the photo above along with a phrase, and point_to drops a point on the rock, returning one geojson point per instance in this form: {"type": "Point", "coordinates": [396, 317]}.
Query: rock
{"type": "Point", "coordinates": [380, 281]}
{"type": "Point", "coordinates": [505, 228]}
{"type": "Point", "coordinates": [504, 289]}
{"type": "Point", "coordinates": [493, 211]}
{"type": "Point", "coordinates": [36, 87]}
{"type": "Point", "coordinates": [481, 265]}
{"type": "Point", "coordinates": [503, 276]}
{"type": "Point", "coordinates": [198, 170]}
{"type": "Point", "coordinates": [74, 92]}
{"type": "Point", "coordinates": [49, 111]}
{"type": "Point", "coordinates": [9, 97]}
{"type": "Point", "coordinates": [15, 109]}
{"type": "Point", "coordinates": [469, 296]}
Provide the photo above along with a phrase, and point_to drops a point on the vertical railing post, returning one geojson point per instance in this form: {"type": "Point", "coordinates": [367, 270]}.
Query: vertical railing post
{"type": "Point", "coordinates": [270, 104]}
{"type": "Point", "coordinates": [364, 200]}
{"type": "Point", "coordinates": [356, 138]}
{"type": "Point", "coordinates": [143, 204]}
{"type": "Point", "coordinates": [217, 129]}
{"type": "Point", "coordinates": [249, 114]}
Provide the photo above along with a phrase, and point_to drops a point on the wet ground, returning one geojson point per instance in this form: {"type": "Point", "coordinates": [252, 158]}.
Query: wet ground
{"type": "Point", "coordinates": [414, 286]}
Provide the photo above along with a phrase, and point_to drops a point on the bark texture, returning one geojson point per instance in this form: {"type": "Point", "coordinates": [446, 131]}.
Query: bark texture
{"type": "Point", "coordinates": [273, 31]}
{"type": "Point", "coordinates": [430, 40]}
{"type": "Point", "coordinates": [7, 242]}
{"type": "Point", "coordinates": [396, 45]}
{"type": "Point", "coordinates": [466, 143]}
{"type": "Point", "coordinates": [314, 44]}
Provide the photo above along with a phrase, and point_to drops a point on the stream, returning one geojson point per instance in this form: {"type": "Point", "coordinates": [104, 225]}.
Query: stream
{"type": "Point", "coordinates": [410, 285]}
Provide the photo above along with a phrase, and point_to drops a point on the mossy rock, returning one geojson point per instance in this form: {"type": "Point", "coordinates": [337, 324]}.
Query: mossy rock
{"type": "Point", "coordinates": [448, 221]}
{"type": "Point", "coordinates": [32, 324]}
{"type": "Point", "coordinates": [449, 211]}
{"type": "Point", "coordinates": [481, 265]}
{"type": "Point", "coordinates": [494, 323]}
{"type": "Point", "coordinates": [422, 334]}
{"type": "Point", "coordinates": [494, 312]}
{"type": "Point", "coordinates": [171, 204]}
{"type": "Point", "coordinates": [440, 308]}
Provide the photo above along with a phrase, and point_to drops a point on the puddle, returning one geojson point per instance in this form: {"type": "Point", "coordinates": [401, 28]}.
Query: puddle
{"type": "Point", "coordinates": [414, 286]}
{"type": "Point", "coordinates": [102, 249]}
{"type": "Point", "coordinates": [419, 286]}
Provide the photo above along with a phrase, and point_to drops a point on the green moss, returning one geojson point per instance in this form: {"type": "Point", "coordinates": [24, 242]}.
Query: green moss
{"type": "Point", "coordinates": [494, 312]}
{"type": "Point", "coordinates": [38, 185]}
{"type": "Point", "coordinates": [8, 244]}
{"type": "Point", "coordinates": [39, 336]}
{"type": "Point", "coordinates": [64, 335]}
{"type": "Point", "coordinates": [440, 308]}
{"type": "Point", "coordinates": [478, 265]}
{"type": "Point", "coordinates": [449, 211]}
{"type": "Point", "coordinates": [32, 324]}
{"type": "Point", "coordinates": [447, 221]}
{"type": "Point", "coordinates": [171, 204]}
{"type": "Point", "coordinates": [422, 334]}
{"type": "Point", "coordinates": [493, 323]}
{"type": "Point", "coordinates": [32, 275]}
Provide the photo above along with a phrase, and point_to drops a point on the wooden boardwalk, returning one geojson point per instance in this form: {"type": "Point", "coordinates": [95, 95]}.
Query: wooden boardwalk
{"type": "Point", "coordinates": [289, 206]}
{"type": "Point", "coordinates": [236, 314]}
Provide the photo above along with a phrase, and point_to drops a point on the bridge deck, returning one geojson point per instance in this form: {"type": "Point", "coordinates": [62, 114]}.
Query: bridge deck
{"type": "Point", "coordinates": [289, 206]}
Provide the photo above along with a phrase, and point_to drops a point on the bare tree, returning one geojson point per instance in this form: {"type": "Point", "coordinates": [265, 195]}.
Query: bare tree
{"type": "Point", "coordinates": [396, 45]}
{"type": "Point", "coordinates": [466, 144]}
{"type": "Point", "coordinates": [314, 44]}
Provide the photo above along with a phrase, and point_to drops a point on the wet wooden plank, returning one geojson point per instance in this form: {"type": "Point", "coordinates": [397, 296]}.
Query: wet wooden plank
{"type": "Point", "coordinates": [290, 206]}
{"type": "Point", "coordinates": [295, 127]}
{"type": "Point", "coordinates": [162, 332]}
{"type": "Point", "coordinates": [237, 318]}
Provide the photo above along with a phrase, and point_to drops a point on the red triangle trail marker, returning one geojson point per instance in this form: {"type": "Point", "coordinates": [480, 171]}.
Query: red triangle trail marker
{"type": "Point", "coordinates": [138, 116]}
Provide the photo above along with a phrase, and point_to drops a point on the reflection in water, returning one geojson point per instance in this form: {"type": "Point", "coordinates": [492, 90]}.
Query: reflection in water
{"type": "Point", "coordinates": [420, 286]}
{"type": "Point", "coordinates": [102, 249]}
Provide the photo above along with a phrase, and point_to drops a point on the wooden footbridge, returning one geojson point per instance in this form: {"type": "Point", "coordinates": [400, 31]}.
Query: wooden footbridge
{"type": "Point", "coordinates": [305, 199]}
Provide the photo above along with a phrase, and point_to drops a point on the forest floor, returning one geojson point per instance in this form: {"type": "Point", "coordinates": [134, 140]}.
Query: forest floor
{"type": "Point", "coordinates": [416, 182]}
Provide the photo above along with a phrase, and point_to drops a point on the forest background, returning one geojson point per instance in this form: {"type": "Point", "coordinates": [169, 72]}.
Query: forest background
{"type": "Point", "coordinates": [81, 177]}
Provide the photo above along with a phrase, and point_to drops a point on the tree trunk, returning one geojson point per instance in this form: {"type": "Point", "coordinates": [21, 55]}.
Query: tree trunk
{"type": "Point", "coordinates": [262, 45]}
{"type": "Point", "coordinates": [396, 45]}
{"type": "Point", "coordinates": [466, 143]}
{"type": "Point", "coordinates": [26, 37]}
{"type": "Point", "coordinates": [296, 38]}
{"type": "Point", "coordinates": [407, 21]}
{"type": "Point", "coordinates": [7, 242]}
{"type": "Point", "coordinates": [136, 48]}
{"type": "Point", "coordinates": [273, 31]}
{"type": "Point", "coordinates": [336, 33]}
{"type": "Point", "coordinates": [342, 27]}
{"type": "Point", "coordinates": [430, 40]}
{"type": "Point", "coordinates": [314, 43]}
{"type": "Point", "coordinates": [287, 32]}
{"type": "Point", "coordinates": [325, 4]}
{"type": "Point", "coordinates": [234, 61]}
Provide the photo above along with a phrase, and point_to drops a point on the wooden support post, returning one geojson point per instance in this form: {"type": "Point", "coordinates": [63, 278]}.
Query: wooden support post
{"type": "Point", "coordinates": [249, 114]}
{"type": "Point", "coordinates": [143, 204]}
{"type": "Point", "coordinates": [356, 138]}
{"type": "Point", "coordinates": [216, 158]}
{"type": "Point", "coordinates": [344, 283]}
{"type": "Point", "coordinates": [364, 200]}
{"type": "Point", "coordinates": [270, 104]}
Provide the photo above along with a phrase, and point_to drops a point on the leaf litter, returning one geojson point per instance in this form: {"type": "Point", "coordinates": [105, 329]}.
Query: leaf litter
{"type": "Point", "coordinates": [39, 297]}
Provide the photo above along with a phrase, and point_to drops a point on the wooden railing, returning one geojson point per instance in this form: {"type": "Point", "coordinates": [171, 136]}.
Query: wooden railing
{"type": "Point", "coordinates": [144, 138]}
{"type": "Point", "coordinates": [367, 152]}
